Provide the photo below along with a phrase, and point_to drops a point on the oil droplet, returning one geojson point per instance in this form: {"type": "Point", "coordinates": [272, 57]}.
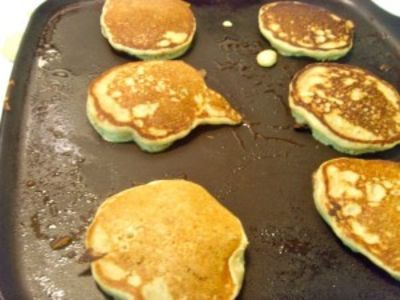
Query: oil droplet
{"type": "Point", "coordinates": [60, 73]}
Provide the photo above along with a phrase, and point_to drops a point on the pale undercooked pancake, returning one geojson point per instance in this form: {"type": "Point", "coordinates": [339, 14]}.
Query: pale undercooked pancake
{"type": "Point", "coordinates": [168, 239]}
{"type": "Point", "coordinates": [346, 107]}
{"type": "Point", "coordinates": [360, 200]}
{"type": "Point", "coordinates": [154, 103]}
{"type": "Point", "coordinates": [151, 29]}
{"type": "Point", "coordinates": [300, 29]}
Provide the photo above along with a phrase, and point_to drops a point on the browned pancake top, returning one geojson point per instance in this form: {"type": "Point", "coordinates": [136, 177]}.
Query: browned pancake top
{"type": "Point", "coordinates": [306, 26]}
{"type": "Point", "coordinates": [363, 198]}
{"type": "Point", "coordinates": [161, 98]}
{"type": "Point", "coordinates": [174, 231]}
{"type": "Point", "coordinates": [143, 24]}
{"type": "Point", "coordinates": [359, 97]}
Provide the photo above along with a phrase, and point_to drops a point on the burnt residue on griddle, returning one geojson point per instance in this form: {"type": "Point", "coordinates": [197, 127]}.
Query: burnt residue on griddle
{"type": "Point", "coordinates": [70, 254]}
{"type": "Point", "coordinates": [243, 69]}
{"type": "Point", "coordinates": [237, 50]}
{"type": "Point", "coordinates": [240, 45]}
{"type": "Point", "coordinates": [226, 65]}
{"type": "Point", "coordinates": [57, 203]}
{"type": "Point", "coordinates": [301, 127]}
{"type": "Point", "coordinates": [49, 204]}
{"type": "Point", "coordinates": [37, 227]}
{"type": "Point", "coordinates": [90, 256]}
{"type": "Point", "coordinates": [86, 272]}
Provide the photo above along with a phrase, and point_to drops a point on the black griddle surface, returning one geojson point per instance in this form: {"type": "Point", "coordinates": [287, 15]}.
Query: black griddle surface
{"type": "Point", "coordinates": [55, 170]}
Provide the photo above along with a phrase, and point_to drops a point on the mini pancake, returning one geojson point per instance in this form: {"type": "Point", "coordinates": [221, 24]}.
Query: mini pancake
{"type": "Point", "coordinates": [154, 103]}
{"type": "Point", "coordinates": [168, 239]}
{"type": "Point", "coordinates": [151, 29]}
{"type": "Point", "coordinates": [360, 200]}
{"type": "Point", "coordinates": [346, 107]}
{"type": "Point", "coordinates": [300, 29]}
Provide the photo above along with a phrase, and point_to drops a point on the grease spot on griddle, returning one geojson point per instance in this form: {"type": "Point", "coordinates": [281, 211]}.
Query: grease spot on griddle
{"type": "Point", "coordinates": [63, 73]}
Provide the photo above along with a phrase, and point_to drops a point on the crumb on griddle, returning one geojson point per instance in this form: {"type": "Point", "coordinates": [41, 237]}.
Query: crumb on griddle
{"type": "Point", "coordinates": [203, 73]}
{"type": "Point", "coordinates": [61, 242]}
{"type": "Point", "coordinates": [385, 68]}
{"type": "Point", "coordinates": [7, 105]}
{"type": "Point", "coordinates": [30, 183]}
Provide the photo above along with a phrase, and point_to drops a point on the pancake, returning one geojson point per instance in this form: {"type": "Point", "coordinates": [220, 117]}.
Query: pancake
{"type": "Point", "coordinates": [154, 103]}
{"type": "Point", "coordinates": [360, 200]}
{"type": "Point", "coordinates": [300, 29]}
{"type": "Point", "coordinates": [151, 29]}
{"type": "Point", "coordinates": [346, 107]}
{"type": "Point", "coordinates": [168, 239]}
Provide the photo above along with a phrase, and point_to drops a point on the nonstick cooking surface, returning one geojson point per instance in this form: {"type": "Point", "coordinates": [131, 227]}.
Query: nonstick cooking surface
{"type": "Point", "coordinates": [56, 170]}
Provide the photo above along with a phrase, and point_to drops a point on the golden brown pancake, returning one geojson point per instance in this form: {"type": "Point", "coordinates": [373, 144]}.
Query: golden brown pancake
{"type": "Point", "coordinates": [150, 29]}
{"type": "Point", "coordinates": [360, 200]}
{"type": "Point", "coordinates": [346, 107]}
{"type": "Point", "coordinates": [154, 103]}
{"type": "Point", "coordinates": [300, 29]}
{"type": "Point", "coordinates": [168, 239]}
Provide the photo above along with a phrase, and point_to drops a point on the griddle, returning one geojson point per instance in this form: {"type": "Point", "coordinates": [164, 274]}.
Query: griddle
{"type": "Point", "coordinates": [55, 170]}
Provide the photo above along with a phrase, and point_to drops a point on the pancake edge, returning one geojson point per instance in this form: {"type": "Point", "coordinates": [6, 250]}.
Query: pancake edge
{"type": "Point", "coordinates": [287, 49]}
{"type": "Point", "coordinates": [319, 196]}
{"type": "Point", "coordinates": [325, 136]}
{"type": "Point", "coordinates": [149, 54]}
{"type": "Point", "coordinates": [236, 261]}
{"type": "Point", "coordinates": [122, 134]}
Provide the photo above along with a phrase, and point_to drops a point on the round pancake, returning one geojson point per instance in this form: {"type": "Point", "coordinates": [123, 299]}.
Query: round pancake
{"type": "Point", "coordinates": [346, 107]}
{"type": "Point", "coordinates": [300, 29]}
{"type": "Point", "coordinates": [168, 239]}
{"type": "Point", "coordinates": [154, 103]}
{"type": "Point", "coordinates": [151, 29]}
{"type": "Point", "coordinates": [360, 200]}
